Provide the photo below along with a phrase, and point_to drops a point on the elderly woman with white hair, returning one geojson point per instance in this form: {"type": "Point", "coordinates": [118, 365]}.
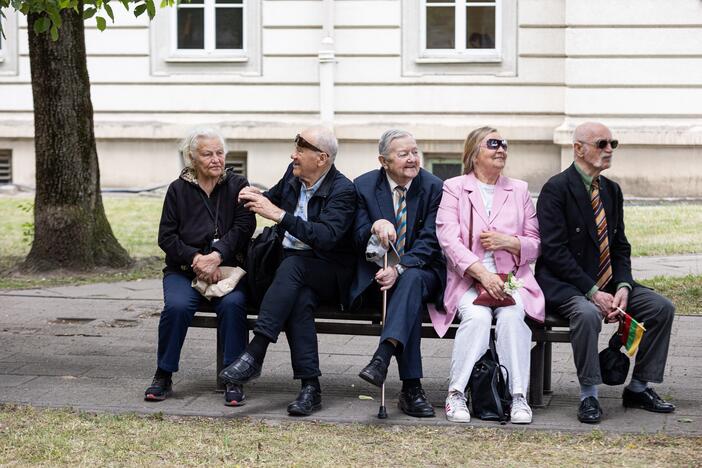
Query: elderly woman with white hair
{"type": "Point", "coordinates": [202, 228]}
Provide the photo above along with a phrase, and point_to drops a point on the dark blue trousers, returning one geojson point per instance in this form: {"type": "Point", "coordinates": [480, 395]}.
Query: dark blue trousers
{"type": "Point", "coordinates": [180, 304]}
{"type": "Point", "coordinates": [403, 321]}
{"type": "Point", "coordinates": [301, 282]}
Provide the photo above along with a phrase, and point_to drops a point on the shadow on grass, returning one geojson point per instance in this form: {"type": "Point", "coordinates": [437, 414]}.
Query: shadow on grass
{"type": "Point", "coordinates": [12, 278]}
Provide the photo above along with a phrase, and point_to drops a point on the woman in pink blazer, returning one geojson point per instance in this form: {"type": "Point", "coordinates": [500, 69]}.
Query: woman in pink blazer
{"type": "Point", "coordinates": [505, 239]}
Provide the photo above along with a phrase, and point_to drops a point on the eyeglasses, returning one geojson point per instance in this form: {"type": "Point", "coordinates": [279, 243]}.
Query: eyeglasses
{"type": "Point", "coordinates": [302, 143]}
{"type": "Point", "coordinates": [602, 144]}
{"type": "Point", "coordinates": [494, 143]}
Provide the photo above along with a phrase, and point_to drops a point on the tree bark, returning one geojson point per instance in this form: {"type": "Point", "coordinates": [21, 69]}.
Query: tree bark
{"type": "Point", "coordinates": [70, 227]}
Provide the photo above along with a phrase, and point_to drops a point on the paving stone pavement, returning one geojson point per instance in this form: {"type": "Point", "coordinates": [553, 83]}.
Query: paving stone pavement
{"type": "Point", "coordinates": [93, 347]}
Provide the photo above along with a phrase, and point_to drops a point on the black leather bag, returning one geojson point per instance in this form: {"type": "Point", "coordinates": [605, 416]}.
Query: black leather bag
{"type": "Point", "coordinates": [614, 365]}
{"type": "Point", "coordinates": [262, 260]}
{"type": "Point", "coordinates": [489, 388]}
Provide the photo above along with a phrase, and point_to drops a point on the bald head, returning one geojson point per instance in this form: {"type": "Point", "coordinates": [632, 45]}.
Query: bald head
{"type": "Point", "coordinates": [593, 147]}
{"type": "Point", "coordinates": [588, 130]}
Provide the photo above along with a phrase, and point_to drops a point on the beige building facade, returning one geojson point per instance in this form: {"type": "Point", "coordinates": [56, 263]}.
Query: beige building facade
{"type": "Point", "coordinates": [261, 70]}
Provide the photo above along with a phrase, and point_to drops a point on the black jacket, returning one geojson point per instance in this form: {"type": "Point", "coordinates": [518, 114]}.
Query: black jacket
{"type": "Point", "coordinates": [570, 253]}
{"type": "Point", "coordinates": [330, 214]}
{"type": "Point", "coordinates": [187, 226]}
{"type": "Point", "coordinates": [422, 248]}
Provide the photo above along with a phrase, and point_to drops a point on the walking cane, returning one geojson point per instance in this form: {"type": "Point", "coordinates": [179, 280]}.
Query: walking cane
{"type": "Point", "coordinates": [382, 411]}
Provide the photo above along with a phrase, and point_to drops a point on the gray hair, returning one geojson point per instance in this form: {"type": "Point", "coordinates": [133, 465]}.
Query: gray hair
{"type": "Point", "coordinates": [189, 145]}
{"type": "Point", "coordinates": [388, 137]}
{"type": "Point", "coordinates": [326, 141]}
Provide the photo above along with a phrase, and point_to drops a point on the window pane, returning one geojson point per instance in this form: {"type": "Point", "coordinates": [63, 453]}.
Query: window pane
{"type": "Point", "coordinates": [446, 170]}
{"type": "Point", "coordinates": [230, 31]}
{"type": "Point", "coordinates": [480, 28]}
{"type": "Point", "coordinates": [193, 2]}
{"type": "Point", "coordinates": [229, 1]}
{"type": "Point", "coordinates": [191, 28]}
{"type": "Point", "coordinates": [441, 1]}
{"type": "Point", "coordinates": [440, 28]}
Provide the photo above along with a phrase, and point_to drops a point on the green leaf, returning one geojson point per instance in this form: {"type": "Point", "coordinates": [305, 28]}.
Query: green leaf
{"type": "Point", "coordinates": [151, 8]}
{"type": "Point", "coordinates": [89, 13]}
{"type": "Point", "coordinates": [125, 4]}
{"type": "Point", "coordinates": [54, 33]}
{"type": "Point", "coordinates": [42, 25]}
{"type": "Point", "coordinates": [101, 23]}
{"type": "Point", "coordinates": [108, 9]}
{"type": "Point", "coordinates": [139, 10]}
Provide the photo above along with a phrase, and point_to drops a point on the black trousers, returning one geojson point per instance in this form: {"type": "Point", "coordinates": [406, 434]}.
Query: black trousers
{"type": "Point", "coordinates": [653, 310]}
{"type": "Point", "coordinates": [301, 282]}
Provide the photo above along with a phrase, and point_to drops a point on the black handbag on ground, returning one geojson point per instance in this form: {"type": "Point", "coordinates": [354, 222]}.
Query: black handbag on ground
{"type": "Point", "coordinates": [614, 365]}
{"type": "Point", "coordinates": [489, 388]}
{"type": "Point", "coordinates": [262, 260]}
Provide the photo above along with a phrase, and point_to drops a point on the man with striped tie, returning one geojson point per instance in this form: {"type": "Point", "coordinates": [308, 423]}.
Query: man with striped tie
{"type": "Point", "coordinates": [585, 272]}
{"type": "Point", "coordinates": [398, 203]}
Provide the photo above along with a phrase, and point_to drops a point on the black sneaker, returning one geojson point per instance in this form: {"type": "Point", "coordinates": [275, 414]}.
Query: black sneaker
{"type": "Point", "coordinates": [160, 389]}
{"type": "Point", "coordinates": [234, 395]}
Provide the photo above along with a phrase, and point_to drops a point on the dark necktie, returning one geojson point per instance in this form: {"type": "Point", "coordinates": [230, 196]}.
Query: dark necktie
{"type": "Point", "coordinates": [401, 220]}
{"type": "Point", "coordinates": [605, 272]}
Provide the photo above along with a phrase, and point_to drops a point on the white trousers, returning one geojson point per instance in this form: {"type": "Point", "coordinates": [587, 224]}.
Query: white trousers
{"type": "Point", "coordinates": [512, 342]}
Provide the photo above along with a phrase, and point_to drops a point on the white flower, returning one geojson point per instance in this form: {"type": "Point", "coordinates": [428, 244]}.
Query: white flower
{"type": "Point", "coordinates": [512, 284]}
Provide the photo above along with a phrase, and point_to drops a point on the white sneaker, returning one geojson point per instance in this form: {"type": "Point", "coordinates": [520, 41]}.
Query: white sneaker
{"type": "Point", "coordinates": [456, 409]}
{"type": "Point", "coordinates": [521, 413]}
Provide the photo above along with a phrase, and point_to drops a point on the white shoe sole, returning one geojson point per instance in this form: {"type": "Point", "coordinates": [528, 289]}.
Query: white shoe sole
{"type": "Point", "coordinates": [456, 420]}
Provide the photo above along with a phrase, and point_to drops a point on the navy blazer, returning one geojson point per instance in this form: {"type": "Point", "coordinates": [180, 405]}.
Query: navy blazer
{"type": "Point", "coordinates": [330, 214]}
{"type": "Point", "coordinates": [570, 253]}
{"type": "Point", "coordinates": [422, 248]}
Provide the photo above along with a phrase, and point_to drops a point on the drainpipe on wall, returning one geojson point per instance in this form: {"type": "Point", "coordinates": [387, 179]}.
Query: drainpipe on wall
{"type": "Point", "coordinates": [326, 66]}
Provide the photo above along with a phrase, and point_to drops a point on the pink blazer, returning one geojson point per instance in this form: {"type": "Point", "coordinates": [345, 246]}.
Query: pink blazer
{"type": "Point", "coordinates": [512, 213]}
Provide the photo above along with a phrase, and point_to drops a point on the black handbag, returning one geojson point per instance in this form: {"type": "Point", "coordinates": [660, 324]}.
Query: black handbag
{"type": "Point", "coordinates": [489, 388]}
{"type": "Point", "coordinates": [262, 260]}
{"type": "Point", "coordinates": [614, 365]}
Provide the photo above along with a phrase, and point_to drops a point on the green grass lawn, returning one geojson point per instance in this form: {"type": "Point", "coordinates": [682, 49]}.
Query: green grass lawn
{"type": "Point", "coordinates": [652, 230]}
{"type": "Point", "coordinates": [62, 437]}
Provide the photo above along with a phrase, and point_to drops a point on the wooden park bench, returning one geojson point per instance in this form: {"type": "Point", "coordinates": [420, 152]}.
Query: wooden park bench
{"type": "Point", "coordinates": [331, 320]}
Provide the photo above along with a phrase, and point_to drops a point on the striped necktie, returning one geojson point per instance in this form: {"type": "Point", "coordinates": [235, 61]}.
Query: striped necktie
{"type": "Point", "coordinates": [401, 219]}
{"type": "Point", "coordinates": [605, 272]}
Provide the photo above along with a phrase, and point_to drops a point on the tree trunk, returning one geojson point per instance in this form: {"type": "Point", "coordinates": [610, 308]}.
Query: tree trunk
{"type": "Point", "coordinates": [70, 227]}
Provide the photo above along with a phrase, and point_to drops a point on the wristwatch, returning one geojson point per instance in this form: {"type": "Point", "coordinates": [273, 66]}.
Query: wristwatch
{"type": "Point", "coordinates": [399, 269]}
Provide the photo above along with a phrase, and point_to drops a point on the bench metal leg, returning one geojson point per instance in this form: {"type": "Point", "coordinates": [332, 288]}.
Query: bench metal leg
{"type": "Point", "coordinates": [536, 379]}
{"type": "Point", "coordinates": [220, 362]}
{"type": "Point", "coordinates": [548, 354]}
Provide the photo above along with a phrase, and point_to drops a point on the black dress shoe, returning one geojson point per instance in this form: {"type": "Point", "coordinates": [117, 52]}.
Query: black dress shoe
{"type": "Point", "coordinates": [308, 401]}
{"type": "Point", "coordinates": [243, 369]}
{"type": "Point", "coordinates": [589, 411]}
{"type": "Point", "coordinates": [414, 402]}
{"type": "Point", "coordinates": [375, 372]}
{"type": "Point", "coordinates": [648, 400]}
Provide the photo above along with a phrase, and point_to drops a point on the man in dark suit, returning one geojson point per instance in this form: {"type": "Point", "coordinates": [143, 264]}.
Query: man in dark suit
{"type": "Point", "coordinates": [398, 203]}
{"type": "Point", "coordinates": [314, 204]}
{"type": "Point", "coordinates": [585, 272]}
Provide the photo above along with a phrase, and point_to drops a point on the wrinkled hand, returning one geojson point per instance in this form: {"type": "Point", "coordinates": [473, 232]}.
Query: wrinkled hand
{"type": "Point", "coordinates": [254, 200]}
{"type": "Point", "coordinates": [603, 301]}
{"type": "Point", "coordinates": [620, 300]}
{"type": "Point", "coordinates": [493, 284]}
{"type": "Point", "coordinates": [386, 278]}
{"type": "Point", "coordinates": [493, 240]}
{"type": "Point", "coordinates": [206, 267]}
{"type": "Point", "coordinates": [385, 231]}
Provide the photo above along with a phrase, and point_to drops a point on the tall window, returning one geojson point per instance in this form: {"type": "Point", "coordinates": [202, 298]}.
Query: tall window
{"type": "Point", "coordinates": [460, 27]}
{"type": "Point", "coordinates": [210, 26]}
{"type": "Point", "coordinates": [8, 44]}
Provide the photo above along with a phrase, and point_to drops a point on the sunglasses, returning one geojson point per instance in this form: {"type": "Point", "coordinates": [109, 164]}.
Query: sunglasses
{"type": "Point", "coordinates": [494, 143]}
{"type": "Point", "coordinates": [602, 144]}
{"type": "Point", "coordinates": [302, 143]}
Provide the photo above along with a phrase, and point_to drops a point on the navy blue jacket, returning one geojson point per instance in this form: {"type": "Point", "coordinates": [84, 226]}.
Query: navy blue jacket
{"type": "Point", "coordinates": [570, 253]}
{"type": "Point", "coordinates": [422, 249]}
{"type": "Point", "coordinates": [330, 214]}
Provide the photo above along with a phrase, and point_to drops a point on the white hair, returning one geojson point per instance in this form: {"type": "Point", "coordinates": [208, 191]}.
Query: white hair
{"type": "Point", "coordinates": [388, 137]}
{"type": "Point", "coordinates": [189, 145]}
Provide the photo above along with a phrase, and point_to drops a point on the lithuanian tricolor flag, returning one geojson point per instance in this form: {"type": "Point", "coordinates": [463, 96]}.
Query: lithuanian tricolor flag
{"type": "Point", "coordinates": [631, 332]}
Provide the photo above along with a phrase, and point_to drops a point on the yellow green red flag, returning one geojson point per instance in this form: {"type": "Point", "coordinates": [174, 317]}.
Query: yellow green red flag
{"type": "Point", "coordinates": [631, 332]}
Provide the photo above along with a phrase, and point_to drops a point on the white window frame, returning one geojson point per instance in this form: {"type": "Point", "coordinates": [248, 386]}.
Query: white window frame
{"type": "Point", "coordinates": [167, 59]}
{"type": "Point", "coordinates": [417, 60]}
{"type": "Point", "coordinates": [8, 48]}
{"type": "Point", "coordinates": [460, 51]}
{"type": "Point", "coordinates": [209, 50]}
